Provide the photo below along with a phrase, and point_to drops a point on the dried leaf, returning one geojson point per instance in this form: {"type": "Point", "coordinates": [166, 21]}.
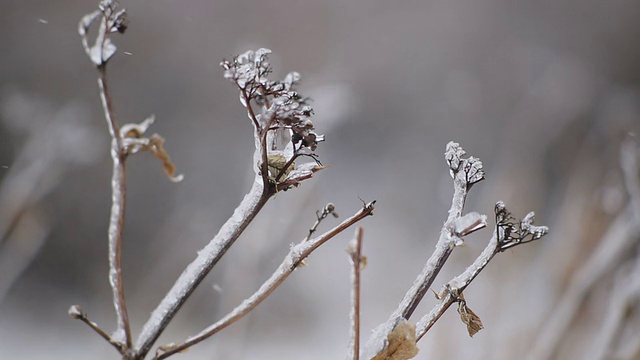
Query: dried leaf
{"type": "Point", "coordinates": [401, 343]}
{"type": "Point", "coordinates": [137, 130]}
{"type": "Point", "coordinates": [275, 164]}
{"type": "Point", "coordinates": [156, 143]}
{"type": "Point", "coordinates": [473, 322]}
{"type": "Point", "coordinates": [363, 262]}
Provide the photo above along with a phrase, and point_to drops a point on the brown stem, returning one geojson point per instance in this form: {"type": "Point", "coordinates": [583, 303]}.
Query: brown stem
{"type": "Point", "coordinates": [285, 167]}
{"type": "Point", "coordinates": [252, 115]}
{"type": "Point", "coordinates": [85, 319]}
{"type": "Point", "coordinates": [355, 253]}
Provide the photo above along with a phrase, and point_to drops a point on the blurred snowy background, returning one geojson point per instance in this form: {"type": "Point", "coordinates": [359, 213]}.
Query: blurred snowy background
{"type": "Point", "coordinates": [543, 92]}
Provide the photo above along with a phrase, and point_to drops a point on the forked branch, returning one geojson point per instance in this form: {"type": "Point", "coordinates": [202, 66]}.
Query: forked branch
{"type": "Point", "coordinates": [296, 255]}
{"type": "Point", "coordinates": [465, 172]}
{"type": "Point", "coordinates": [506, 235]}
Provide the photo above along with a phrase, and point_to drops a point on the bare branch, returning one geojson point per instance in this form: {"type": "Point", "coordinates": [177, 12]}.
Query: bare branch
{"type": "Point", "coordinates": [75, 312]}
{"type": "Point", "coordinates": [207, 258]}
{"type": "Point", "coordinates": [295, 256]}
{"type": "Point", "coordinates": [116, 219]}
{"type": "Point", "coordinates": [354, 249]}
{"type": "Point", "coordinates": [112, 19]}
{"type": "Point", "coordinates": [326, 210]}
{"type": "Point", "coordinates": [506, 235]}
{"type": "Point", "coordinates": [456, 286]}
{"type": "Point", "coordinates": [465, 173]}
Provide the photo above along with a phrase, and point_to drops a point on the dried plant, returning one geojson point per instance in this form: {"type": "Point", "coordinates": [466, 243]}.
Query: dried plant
{"type": "Point", "coordinates": [283, 134]}
{"type": "Point", "coordinates": [508, 233]}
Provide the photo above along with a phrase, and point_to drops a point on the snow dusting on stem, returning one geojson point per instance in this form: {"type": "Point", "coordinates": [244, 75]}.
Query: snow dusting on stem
{"type": "Point", "coordinates": [207, 258]}
{"type": "Point", "coordinates": [465, 173]}
{"type": "Point", "coordinates": [112, 19]}
{"type": "Point", "coordinates": [295, 256]}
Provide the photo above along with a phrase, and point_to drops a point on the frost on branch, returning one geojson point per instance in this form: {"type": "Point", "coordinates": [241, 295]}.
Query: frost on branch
{"type": "Point", "coordinates": [473, 170]}
{"type": "Point", "coordinates": [472, 166]}
{"type": "Point", "coordinates": [453, 154]}
{"type": "Point", "coordinates": [511, 232]}
{"type": "Point", "coordinates": [281, 116]}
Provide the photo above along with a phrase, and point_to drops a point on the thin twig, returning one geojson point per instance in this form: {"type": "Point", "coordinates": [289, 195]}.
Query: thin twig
{"type": "Point", "coordinates": [355, 255]}
{"type": "Point", "coordinates": [260, 133]}
{"type": "Point", "coordinates": [465, 173]}
{"type": "Point", "coordinates": [507, 234]}
{"type": "Point", "coordinates": [111, 19]}
{"type": "Point", "coordinates": [250, 111]}
{"type": "Point", "coordinates": [76, 313]}
{"type": "Point", "coordinates": [116, 219]}
{"type": "Point", "coordinates": [295, 256]}
{"type": "Point", "coordinates": [286, 167]}
{"type": "Point", "coordinates": [207, 258]}
{"type": "Point", "coordinates": [328, 209]}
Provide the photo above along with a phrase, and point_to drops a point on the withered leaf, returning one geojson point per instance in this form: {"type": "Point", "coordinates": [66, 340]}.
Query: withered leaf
{"type": "Point", "coordinates": [473, 322]}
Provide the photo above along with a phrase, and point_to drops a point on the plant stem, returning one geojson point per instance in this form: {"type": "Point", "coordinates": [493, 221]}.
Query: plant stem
{"type": "Point", "coordinates": [290, 263]}
{"type": "Point", "coordinates": [355, 254]}
{"type": "Point", "coordinates": [444, 247]}
{"type": "Point", "coordinates": [195, 272]}
{"type": "Point", "coordinates": [116, 219]}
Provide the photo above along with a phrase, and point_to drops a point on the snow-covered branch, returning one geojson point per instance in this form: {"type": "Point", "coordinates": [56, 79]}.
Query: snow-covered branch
{"type": "Point", "coordinates": [358, 262]}
{"type": "Point", "coordinates": [506, 235]}
{"type": "Point", "coordinates": [295, 256]}
{"type": "Point", "coordinates": [207, 258]}
{"type": "Point", "coordinates": [465, 173]}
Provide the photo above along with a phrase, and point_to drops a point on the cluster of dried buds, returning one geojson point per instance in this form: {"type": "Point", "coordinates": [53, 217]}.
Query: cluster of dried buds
{"type": "Point", "coordinates": [273, 105]}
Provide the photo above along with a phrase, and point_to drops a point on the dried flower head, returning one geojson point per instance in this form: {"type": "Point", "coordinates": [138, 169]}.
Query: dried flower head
{"type": "Point", "coordinates": [273, 105]}
{"type": "Point", "coordinates": [512, 232]}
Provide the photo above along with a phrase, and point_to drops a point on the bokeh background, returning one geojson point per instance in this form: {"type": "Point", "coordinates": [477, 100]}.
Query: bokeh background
{"type": "Point", "coordinates": [544, 92]}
